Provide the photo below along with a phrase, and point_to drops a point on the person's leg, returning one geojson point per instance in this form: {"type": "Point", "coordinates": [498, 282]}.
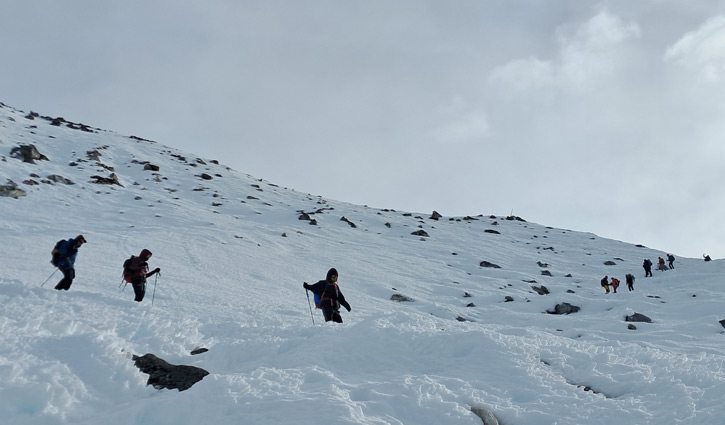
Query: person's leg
{"type": "Point", "coordinates": [139, 289]}
{"type": "Point", "coordinates": [68, 275]}
{"type": "Point", "coordinates": [336, 317]}
{"type": "Point", "coordinates": [327, 312]}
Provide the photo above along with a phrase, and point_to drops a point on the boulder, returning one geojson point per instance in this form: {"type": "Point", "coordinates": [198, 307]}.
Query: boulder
{"type": "Point", "coordinates": [637, 317]}
{"type": "Point", "coordinates": [11, 190]}
{"type": "Point", "coordinates": [486, 415]}
{"type": "Point", "coordinates": [27, 153]}
{"type": "Point", "coordinates": [564, 308]}
{"type": "Point", "coordinates": [165, 375]}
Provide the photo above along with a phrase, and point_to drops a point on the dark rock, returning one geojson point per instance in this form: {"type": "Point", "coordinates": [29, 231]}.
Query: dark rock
{"type": "Point", "coordinates": [60, 179]}
{"type": "Point", "coordinates": [509, 299]}
{"type": "Point", "coordinates": [495, 232]}
{"type": "Point", "coordinates": [165, 375]}
{"type": "Point", "coordinates": [545, 273]}
{"type": "Point", "coordinates": [400, 298]}
{"type": "Point", "coordinates": [11, 190]}
{"type": "Point", "coordinates": [489, 265]}
{"type": "Point", "coordinates": [151, 167]}
{"type": "Point", "coordinates": [722, 322]}
{"type": "Point", "coordinates": [435, 216]}
{"type": "Point", "coordinates": [610, 263]}
{"type": "Point", "coordinates": [206, 176]}
{"type": "Point", "coordinates": [199, 351]}
{"type": "Point", "coordinates": [421, 233]}
{"type": "Point", "coordinates": [110, 180]}
{"type": "Point", "coordinates": [631, 327]}
{"type": "Point", "coordinates": [637, 317]}
{"type": "Point", "coordinates": [93, 155]}
{"type": "Point", "coordinates": [564, 308]}
{"type": "Point", "coordinates": [27, 153]}
{"type": "Point", "coordinates": [541, 290]}
{"type": "Point", "coordinates": [348, 222]}
{"type": "Point", "coordinates": [303, 216]}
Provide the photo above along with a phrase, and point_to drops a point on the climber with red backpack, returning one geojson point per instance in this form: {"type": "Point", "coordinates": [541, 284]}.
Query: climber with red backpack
{"type": "Point", "coordinates": [135, 272]}
{"type": "Point", "coordinates": [328, 297]}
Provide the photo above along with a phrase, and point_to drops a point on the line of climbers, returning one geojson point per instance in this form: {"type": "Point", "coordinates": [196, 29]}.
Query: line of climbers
{"type": "Point", "coordinates": [135, 269]}
{"type": "Point", "coordinates": [647, 265]}
{"type": "Point", "coordinates": [328, 296]}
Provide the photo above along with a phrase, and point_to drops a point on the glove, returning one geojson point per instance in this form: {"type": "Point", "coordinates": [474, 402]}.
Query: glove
{"type": "Point", "coordinates": [305, 285]}
{"type": "Point", "coordinates": [157, 270]}
{"type": "Point", "coordinates": [349, 309]}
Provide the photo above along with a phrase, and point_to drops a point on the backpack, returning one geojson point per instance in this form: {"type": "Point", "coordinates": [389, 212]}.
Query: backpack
{"type": "Point", "coordinates": [56, 255]}
{"type": "Point", "coordinates": [127, 272]}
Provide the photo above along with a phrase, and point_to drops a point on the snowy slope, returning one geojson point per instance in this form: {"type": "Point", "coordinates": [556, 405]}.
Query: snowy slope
{"type": "Point", "coordinates": [234, 254]}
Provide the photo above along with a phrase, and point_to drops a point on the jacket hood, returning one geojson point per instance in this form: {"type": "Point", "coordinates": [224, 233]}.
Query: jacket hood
{"type": "Point", "coordinates": [145, 254]}
{"type": "Point", "coordinates": [330, 273]}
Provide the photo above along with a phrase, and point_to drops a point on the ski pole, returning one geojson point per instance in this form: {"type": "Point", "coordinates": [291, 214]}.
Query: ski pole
{"type": "Point", "coordinates": [122, 283]}
{"type": "Point", "coordinates": [310, 306]}
{"type": "Point", "coordinates": [51, 275]}
{"type": "Point", "coordinates": [154, 294]}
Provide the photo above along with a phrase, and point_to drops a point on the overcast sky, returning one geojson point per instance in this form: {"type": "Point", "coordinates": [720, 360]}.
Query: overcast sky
{"type": "Point", "coordinates": [599, 116]}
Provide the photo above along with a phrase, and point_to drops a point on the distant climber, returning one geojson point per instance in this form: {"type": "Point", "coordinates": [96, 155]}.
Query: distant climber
{"type": "Point", "coordinates": [605, 284]}
{"type": "Point", "coordinates": [615, 284]}
{"type": "Point", "coordinates": [629, 278]}
{"type": "Point", "coordinates": [330, 297]}
{"type": "Point", "coordinates": [647, 267]}
{"type": "Point", "coordinates": [661, 264]}
{"type": "Point", "coordinates": [136, 270]}
{"type": "Point", "coordinates": [706, 257]}
{"type": "Point", "coordinates": [670, 260]}
{"type": "Point", "coordinates": [64, 257]}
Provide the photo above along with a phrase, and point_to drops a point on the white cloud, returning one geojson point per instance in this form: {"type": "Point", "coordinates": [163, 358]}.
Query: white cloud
{"type": "Point", "coordinates": [590, 52]}
{"type": "Point", "coordinates": [702, 51]}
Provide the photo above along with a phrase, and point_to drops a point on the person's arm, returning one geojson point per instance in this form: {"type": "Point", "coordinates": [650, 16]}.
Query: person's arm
{"type": "Point", "coordinates": [153, 272]}
{"type": "Point", "coordinates": [341, 299]}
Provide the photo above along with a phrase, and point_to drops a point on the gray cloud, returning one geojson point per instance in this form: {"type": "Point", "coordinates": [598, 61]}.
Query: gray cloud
{"type": "Point", "coordinates": [596, 116]}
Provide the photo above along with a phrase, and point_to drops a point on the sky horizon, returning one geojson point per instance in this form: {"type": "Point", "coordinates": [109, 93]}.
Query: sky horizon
{"type": "Point", "coordinates": [596, 116]}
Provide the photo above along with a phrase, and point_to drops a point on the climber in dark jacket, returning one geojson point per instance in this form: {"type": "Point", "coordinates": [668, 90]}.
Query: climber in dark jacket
{"type": "Point", "coordinates": [137, 269]}
{"type": "Point", "coordinates": [647, 264]}
{"type": "Point", "coordinates": [64, 257]}
{"type": "Point", "coordinates": [331, 297]}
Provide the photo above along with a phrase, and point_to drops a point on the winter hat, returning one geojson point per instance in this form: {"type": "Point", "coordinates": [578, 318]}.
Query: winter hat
{"type": "Point", "coordinates": [80, 238]}
{"type": "Point", "coordinates": [145, 254]}
{"type": "Point", "coordinates": [331, 272]}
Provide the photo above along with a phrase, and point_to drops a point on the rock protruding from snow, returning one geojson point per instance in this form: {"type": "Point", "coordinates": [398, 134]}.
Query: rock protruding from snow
{"type": "Point", "coordinates": [637, 317]}
{"type": "Point", "coordinates": [564, 308]}
{"type": "Point", "coordinates": [486, 415]}
{"type": "Point", "coordinates": [27, 153]}
{"type": "Point", "coordinates": [163, 374]}
{"type": "Point", "coordinates": [11, 190]}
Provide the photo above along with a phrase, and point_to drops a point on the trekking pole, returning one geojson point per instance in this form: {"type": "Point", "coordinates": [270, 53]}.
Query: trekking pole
{"type": "Point", "coordinates": [122, 283]}
{"type": "Point", "coordinates": [154, 294]}
{"type": "Point", "coordinates": [51, 275]}
{"type": "Point", "coordinates": [310, 306]}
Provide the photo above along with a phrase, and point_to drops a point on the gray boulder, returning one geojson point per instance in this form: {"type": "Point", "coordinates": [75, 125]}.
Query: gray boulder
{"type": "Point", "coordinates": [486, 415]}
{"type": "Point", "coordinates": [564, 308]}
{"type": "Point", "coordinates": [27, 153]}
{"type": "Point", "coordinates": [11, 190]}
{"type": "Point", "coordinates": [637, 317]}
